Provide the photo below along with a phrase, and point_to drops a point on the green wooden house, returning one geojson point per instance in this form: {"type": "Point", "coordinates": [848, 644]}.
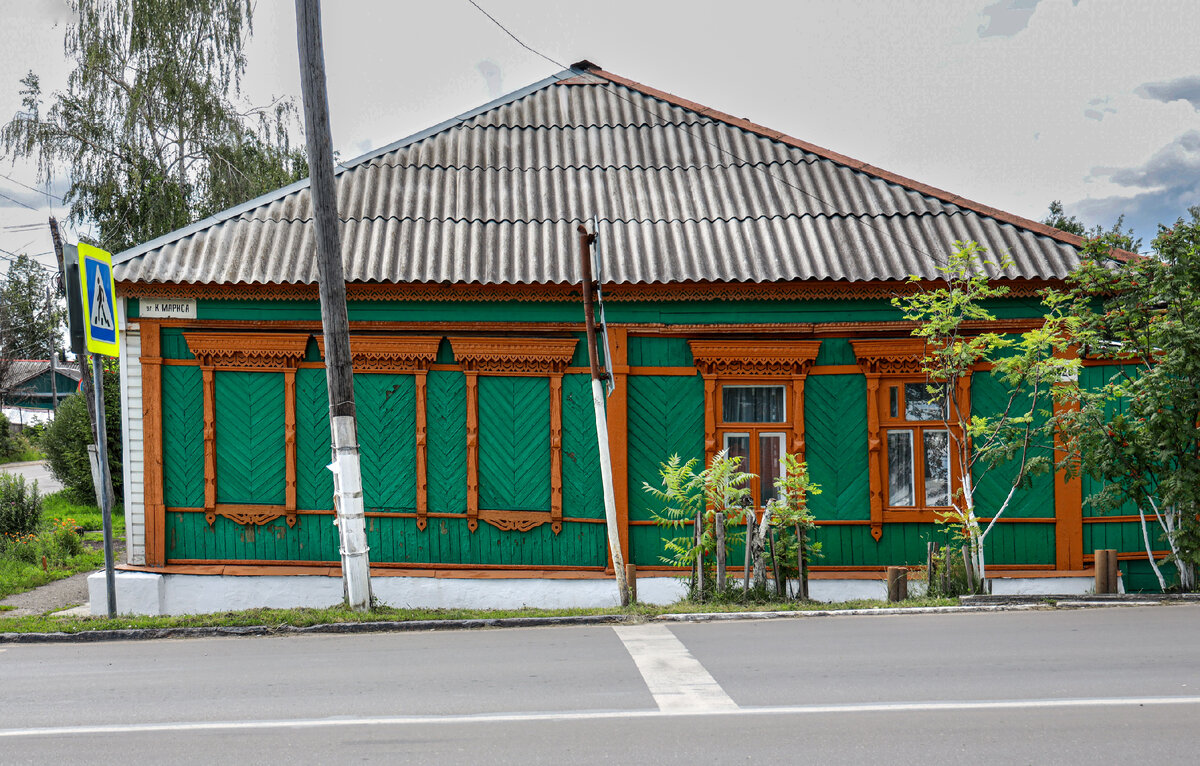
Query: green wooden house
{"type": "Point", "coordinates": [747, 278]}
{"type": "Point", "coordinates": [27, 383]}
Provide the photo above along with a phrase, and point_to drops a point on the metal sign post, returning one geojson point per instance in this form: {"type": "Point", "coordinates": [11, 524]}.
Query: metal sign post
{"type": "Point", "coordinates": [99, 297]}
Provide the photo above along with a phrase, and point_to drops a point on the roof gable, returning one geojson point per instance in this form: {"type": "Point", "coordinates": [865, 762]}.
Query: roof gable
{"type": "Point", "coordinates": [678, 192]}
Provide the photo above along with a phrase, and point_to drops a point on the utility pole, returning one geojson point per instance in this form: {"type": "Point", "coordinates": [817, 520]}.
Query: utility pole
{"type": "Point", "coordinates": [610, 500]}
{"type": "Point", "coordinates": [53, 355]}
{"type": "Point", "coordinates": [335, 323]}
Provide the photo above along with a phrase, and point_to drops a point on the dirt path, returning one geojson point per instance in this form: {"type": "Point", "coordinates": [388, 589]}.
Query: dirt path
{"type": "Point", "coordinates": [57, 595]}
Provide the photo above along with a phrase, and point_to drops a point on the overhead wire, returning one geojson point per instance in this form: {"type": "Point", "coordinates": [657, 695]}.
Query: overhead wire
{"type": "Point", "coordinates": [723, 150]}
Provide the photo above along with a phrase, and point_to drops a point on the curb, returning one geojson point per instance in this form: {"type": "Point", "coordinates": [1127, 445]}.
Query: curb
{"type": "Point", "coordinates": [410, 626]}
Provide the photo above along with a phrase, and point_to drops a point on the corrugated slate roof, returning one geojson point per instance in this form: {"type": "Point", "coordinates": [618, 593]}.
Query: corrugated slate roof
{"type": "Point", "coordinates": [677, 192]}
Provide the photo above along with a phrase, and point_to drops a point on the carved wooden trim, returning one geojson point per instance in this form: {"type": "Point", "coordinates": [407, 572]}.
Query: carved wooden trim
{"type": "Point", "coordinates": [541, 293]}
{"type": "Point", "coordinates": [153, 506]}
{"type": "Point", "coordinates": [618, 432]}
{"type": "Point", "coordinates": [509, 356]}
{"type": "Point", "coordinates": [390, 353]}
{"type": "Point", "coordinates": [798, 445]}
{"type": "Point", "coordinates": [710, 419]}
{"type": "Point", "coordinates": [422, 443]}
{"type": "Point", "coordinates": [895, 356]}
{"type": "Point", "coordinates": [210, 439]}
{"type": "Point", "coordinates": [519, 521]}
{"type": "Point", "coordinates": [1068, 506]}
{"type": "Point", "coordinates": [247, 349]}
{"type": "Point", "coordinates": [255, 516]}
{"type": "Point", "coordinates": [556, 494]}
{"type": "Point", "coordinates": [472, 384]}
{"type": "Point", "coordinates": [754, 357]}
{"type": "Point", "coordinates": [874, 463]}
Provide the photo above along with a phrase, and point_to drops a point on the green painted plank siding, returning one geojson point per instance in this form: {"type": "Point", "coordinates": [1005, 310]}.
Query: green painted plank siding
{"type": "Point", "coordinates": [835, 438]}
{"type": "Point", "coordinates": [665, 417]}
{"type": "Point", "coordinates": [250, 437]}
{"type": "Point", "coordinates": [836, 351]}
{"type": "Point", "coordinates": [392, 540]}
{"type": "Point", "coordinates": [583, 492]}
{"type": "Point", "coordinates": [172, 344]}
{"type": "Point", "coordinates": [1095, 378]}
{"type": "Point", "coordinates": [844, 545]}
{"type": "Point", "coordinates": [659, 352]}
{"type": "Point", "coordinates": [314, 482]}
{"type": "Point", "coordinates": [446, 444]}
{"type": "Point", "coordinates": [183, 436]}
{"type": "Point", "coordinates": [386, 411]}
{"type": "Point", "coordinates": [989, 397]}
{"type": "Point", "coordinates": [514, 443]}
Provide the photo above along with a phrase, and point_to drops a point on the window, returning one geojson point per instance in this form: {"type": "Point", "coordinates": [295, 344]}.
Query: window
{"type": "Point", "coordinates": [918, 446]}
{"type": "Point", "coordinates": [752, 428]}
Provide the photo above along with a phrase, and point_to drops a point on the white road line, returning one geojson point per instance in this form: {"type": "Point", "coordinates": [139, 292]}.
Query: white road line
{"type": "Point", "coordinates": [677, 680]}
{"type": "Point", "coordinates": [420, 720]}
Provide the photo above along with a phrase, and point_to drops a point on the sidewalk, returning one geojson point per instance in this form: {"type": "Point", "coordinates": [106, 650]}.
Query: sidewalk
{"type": "Point", "coordinates": [51, 597]}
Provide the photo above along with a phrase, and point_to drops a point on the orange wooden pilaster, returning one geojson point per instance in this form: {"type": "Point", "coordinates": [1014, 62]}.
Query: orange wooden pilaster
{"type": "Point", "coordinates": [797, 446]}
{"type": "Point", "coordinates": [556, 497]}
{"type": "Point", "coordinates": [289, 442]}
{"type": "Point", "coordinates": [710, 419]}
{"type": "Point", "coordinates": [210, 443]}
{"type": "Point", "coordinates": [472, 381]}
{"type": "Point", "coordinates": [153, 504]}
{"type": "Point", "coordinates": [618, 431]}
{"type": "Point", "coordinates": [1068, 508]}
{"type": "Point", "coordinates": [875, 464]}
{"type": "Point", "coordinates": [422, 440]}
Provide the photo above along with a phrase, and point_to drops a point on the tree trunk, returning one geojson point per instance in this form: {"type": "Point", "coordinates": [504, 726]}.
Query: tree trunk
{"type": "Point", "coordinates": [969, 565]}
{"type": "Point", "coordinates": [802, 563]}
{"type": "Point", "coordinates": [750, 522]}
{"type": "Point", "coordinates": [698, 566]}
{"type": "Point", "coordinates": [780, 582]}
{"type": "Point", "coordinates": [760, 549]}
{"type": "Point", "coordinates": [720, 535]}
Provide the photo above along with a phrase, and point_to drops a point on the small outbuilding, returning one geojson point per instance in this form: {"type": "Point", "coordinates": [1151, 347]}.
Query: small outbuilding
{"type": "Point", "coordinates": [747, 278]}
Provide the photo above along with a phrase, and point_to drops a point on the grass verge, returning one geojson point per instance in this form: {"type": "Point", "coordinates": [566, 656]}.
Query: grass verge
{"type": "Point", "coordinates": [339, 614]}
{"type": "Point", "coordinates": [61, 505]}
{"type": "Point", "coordinates": [19, 576]}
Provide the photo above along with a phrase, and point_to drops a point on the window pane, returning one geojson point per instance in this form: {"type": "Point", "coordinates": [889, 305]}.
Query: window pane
{"type": "Point", "coordinates": [770, 452]}
{"type": "Point", "coordinates": [752, 404]}
{"type": "Point", "coordinates": [920, 404]}
{"type": "Point", "coordinates": [894, 404]}
{"type": "Point", "coordinates": [900, 468]}
{"type": "Point", "coordinates": [937, 468]}
{"type": "Point", "coordinates": [738, 445]}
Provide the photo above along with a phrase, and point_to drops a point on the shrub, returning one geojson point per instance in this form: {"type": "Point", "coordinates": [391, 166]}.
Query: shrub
{"type": "Point", "coordinates": [66, 438]}
{"type": "Point", "coordinates": [8, 440]}
{"type": "Point", "coordinates": [20, 507]}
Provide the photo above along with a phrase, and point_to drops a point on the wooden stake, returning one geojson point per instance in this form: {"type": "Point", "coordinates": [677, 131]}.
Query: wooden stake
{"type": "Point", "coordinates": [719, 523]}
{"type": "Point", "coordinates": [780, 582]}
{"type": "Point", "coordinates": [931, 550]}
{"type": "Point", "coordinates": [897, 583]}
{"type": "Point", "coordinates": [631, 581]}
{"type": "Point", "coordinates": [802, 562]}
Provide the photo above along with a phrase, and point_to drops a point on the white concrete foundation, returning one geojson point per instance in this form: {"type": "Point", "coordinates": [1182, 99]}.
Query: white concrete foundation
{"type": "Point", "coordinates": [149, 593]}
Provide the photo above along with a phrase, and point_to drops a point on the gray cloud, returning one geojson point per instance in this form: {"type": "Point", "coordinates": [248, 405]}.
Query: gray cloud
{"type": "Point", "coordinates": [1180, 89]}
{"type": "Point", "coordinates": [1007, 17]}
{"type": "Point", "coordinates": [1161, 190]}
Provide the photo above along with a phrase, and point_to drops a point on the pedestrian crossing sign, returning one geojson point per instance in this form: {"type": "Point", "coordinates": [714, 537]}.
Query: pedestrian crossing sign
{"type": "Point", "coordinates": [99, 300]}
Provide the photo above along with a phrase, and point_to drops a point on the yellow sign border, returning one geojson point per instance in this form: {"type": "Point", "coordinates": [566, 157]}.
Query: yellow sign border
{"type": "Point", "coordinates": [91, 253]}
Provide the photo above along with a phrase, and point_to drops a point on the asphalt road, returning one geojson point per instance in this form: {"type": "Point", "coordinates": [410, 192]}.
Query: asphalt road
{"type": "Point", "coordinates": [1099, 685]}
{"type": "Point", "coordinates": [37, 470]}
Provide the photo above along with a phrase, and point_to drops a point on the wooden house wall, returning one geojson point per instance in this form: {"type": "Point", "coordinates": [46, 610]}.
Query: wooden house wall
{"type": "Point", "coordinates": [662, 410]}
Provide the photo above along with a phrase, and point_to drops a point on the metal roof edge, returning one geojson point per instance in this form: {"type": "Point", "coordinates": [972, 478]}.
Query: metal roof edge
{"type": "Point", "coordinates": [985, 210]}
{"type": "Point", "coordinates": [271, 196]}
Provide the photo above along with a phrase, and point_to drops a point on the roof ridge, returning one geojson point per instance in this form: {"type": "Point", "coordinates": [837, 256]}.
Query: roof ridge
{"type": "Point", "coordinates": [577, 219]}
{"type": "Point", "coordinates": [850, 162]}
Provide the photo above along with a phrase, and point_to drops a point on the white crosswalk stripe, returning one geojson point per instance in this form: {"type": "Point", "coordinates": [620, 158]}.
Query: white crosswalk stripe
{"type": "Point", "coordinates": [677, 680]}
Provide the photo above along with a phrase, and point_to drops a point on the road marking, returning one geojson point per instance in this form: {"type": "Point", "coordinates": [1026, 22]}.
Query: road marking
{"type": "Point", "coordinates": [677, 680]}
{"type": "Point", "coordinates": [421, 720]}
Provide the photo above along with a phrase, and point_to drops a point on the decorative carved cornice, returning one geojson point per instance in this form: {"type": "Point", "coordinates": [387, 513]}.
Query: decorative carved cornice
{"type": "Point", "coordinates": [499, 356]}
{"type": "Point", "coordinates": [754, 357]}
{"type": "Point", "coordinates": [519, 521]}
{"type": "Point", "coordinates": [248, 518]}
{"type": "Point", "coordinates": [897, 356]}
{"type": "Point", "coordinates": [390, 353]}
{"type": "Point", "coordinates": [247, 349]}
{"type": "Point", "coordinates": [540, 293]}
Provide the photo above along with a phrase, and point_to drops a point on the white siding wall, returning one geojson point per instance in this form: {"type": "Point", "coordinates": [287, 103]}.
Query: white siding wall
{"type": "Point", "coordinates": [131, 438]}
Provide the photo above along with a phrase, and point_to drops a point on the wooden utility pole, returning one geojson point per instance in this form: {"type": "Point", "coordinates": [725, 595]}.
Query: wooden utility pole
{"type": "Point", "coordinates": [53, 353]}
{"type": "Point", "coordinates": [335, 323]}
{"type": "Point", "coordinates": [610, 501]}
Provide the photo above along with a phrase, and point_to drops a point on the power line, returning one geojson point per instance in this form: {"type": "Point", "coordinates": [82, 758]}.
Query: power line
{"type": "Point", "coordinates": [746, 162]}
{"type": "Point", "coordinates": [34, 189]}
{"type": "Point", "coordinates": [19, 202]}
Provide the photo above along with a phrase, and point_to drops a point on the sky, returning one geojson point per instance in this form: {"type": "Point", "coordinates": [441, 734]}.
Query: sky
{"type": "Point", "coordinates": [1011, 103]}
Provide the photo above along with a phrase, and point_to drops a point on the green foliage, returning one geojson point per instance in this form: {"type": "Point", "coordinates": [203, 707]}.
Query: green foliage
{"type": "Point", "coordinates": [151, 129]}
{"type": "Point", "coordinates": [1124, 239]}
{"type": "Point", "coordinates": [1140, 432]}
{"type": "Point", "coordinates": [8, 440]}
{"type": "Point", "coordinates": [61, 506]}
{"type": "Point", "coordinates": [20, 508]}
{"type": "Point", "coordinates": [788, 513]}
{"type": "Point", "coordinates": [66, 438]}
{"type": "Point", "coordinates": [1028, 367]}
{"type": "Point", "coordinates": [26, 320]}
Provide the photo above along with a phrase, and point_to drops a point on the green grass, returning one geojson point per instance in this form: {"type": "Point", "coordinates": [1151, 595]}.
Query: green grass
{"type": "Point", "coordinates": [25, 455]}
{"type": "Point", "coordinates": [61, 505]}
{"type": "Point", "coordinates": [19, 576]}
{"type": "Point", "coordinates": [339, 614]}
